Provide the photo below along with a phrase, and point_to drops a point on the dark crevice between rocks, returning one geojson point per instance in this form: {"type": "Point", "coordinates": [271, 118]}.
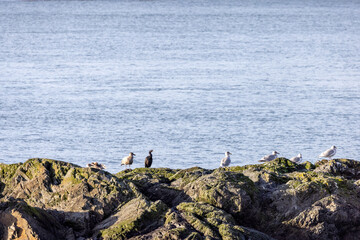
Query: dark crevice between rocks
{"type": "Point", "coordinates": [2, 187]}
{"type": "Point", "coordinates": [81, 223]}
{"type": "Point", "coordinates": [51, 173]}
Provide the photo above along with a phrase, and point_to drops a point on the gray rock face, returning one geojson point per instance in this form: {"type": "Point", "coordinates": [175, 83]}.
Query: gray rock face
{"type": "Point", "coordinates": [47, 199]}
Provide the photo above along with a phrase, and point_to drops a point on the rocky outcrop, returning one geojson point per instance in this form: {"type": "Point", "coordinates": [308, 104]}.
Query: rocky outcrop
{"type": "Point", "coordinates": [47, 199]}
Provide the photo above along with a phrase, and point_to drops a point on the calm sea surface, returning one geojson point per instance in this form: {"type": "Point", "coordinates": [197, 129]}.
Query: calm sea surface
{"type": "Point", "coordinates": [85, 81]}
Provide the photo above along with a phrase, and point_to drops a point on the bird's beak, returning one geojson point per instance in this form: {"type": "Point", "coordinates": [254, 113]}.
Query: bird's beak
{"type": "Point", "coordinates": [134, 154]}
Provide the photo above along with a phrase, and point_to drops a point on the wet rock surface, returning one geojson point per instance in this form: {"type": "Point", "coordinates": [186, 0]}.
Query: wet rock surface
{"type": "Point", "coordinates": [48, 199]}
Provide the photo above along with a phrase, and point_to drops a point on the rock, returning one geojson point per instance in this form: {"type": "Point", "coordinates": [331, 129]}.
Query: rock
{"type": "Point", "coordinates": [154, 183]}
{"type": "Point", "coordinates": [328, 218]}
{"type": "Point", "coordinates": [21, 221]}
{"type": "Point", "coordinates": [137, 215]}
{"type": "Point", "coordinates": [78, 197]}
{"type": "Point", "coordinates": [307, 207]}
{"type": "Point", "coordinates": [48, 199]}
{"type": "Point", "coordinates": [344, 167]}
{"type": "Point", "coordinates": [230, 191]}
{"type": "Point", "coordinates": [214, 223]}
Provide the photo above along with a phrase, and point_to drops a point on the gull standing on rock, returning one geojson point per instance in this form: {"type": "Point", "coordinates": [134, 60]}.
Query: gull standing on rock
{"type": "Point", "coordinates": [148, 160]}
{"type": "Point", "coordinates": [270, 157]}
{"type": "Point", "coordinates": [128, 160]}
{"type": "Point", "coordinates": [328, 153]}
{"type": "Point", "coordinates": [297, 159]}
{"type": "Point", "coordinates": [226, 160]}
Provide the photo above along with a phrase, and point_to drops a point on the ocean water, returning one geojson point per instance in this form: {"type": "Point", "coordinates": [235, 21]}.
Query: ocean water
{"type": "Point", "coordinates": [85, 81]}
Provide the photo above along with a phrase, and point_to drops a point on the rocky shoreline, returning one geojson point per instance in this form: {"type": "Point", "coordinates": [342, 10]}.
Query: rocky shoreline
{"type": "Point", "coordinates": [48, 199]}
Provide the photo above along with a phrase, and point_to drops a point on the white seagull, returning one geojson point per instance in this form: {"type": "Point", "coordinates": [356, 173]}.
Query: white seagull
{"type": "Point", "coordinates": [270, 157]}
{"type": "Point", "coordinates": [226, 160]}
{"type": "Point", "coordinates": [297, 159]}
{"type": "Point", "coordinates": [328, 153]}
{"type": "Point", "coordinates": [128, 160]}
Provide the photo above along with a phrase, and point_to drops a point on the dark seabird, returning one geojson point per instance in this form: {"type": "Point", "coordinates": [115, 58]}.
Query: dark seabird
{"type": "Point", "coordinates": [148, 160]}
{"type": "Point", "coordinates": [128, 160]}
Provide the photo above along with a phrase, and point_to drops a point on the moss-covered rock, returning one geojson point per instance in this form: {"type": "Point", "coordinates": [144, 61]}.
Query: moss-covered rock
{"type": "Point", "coordinates": [230, 191]}
{"type": "Point", "coordinates": [277, 166]}
{"type": "Point", "coordinates": [278, 198]}
{"type": "Point", "coordinates": [214, 223]}
{"type": "Point", "coordinates": [155, 184]}
{"type": "Point", "coordinates": [344, 167]}
{"type": "Point", "coordinates": [280, 166]}
{"type": "Point", "coordinates": [143, 175]}
{"type": "Point", "coordinates": [137, 216]}
{"type": "Point", "coordinates": [81, 196]}
{"type": "Point", "coordinates": [7, 171]}
{"type": "Point", "coordinates": [308, 165]}
{"type": "Point", "coordinates": [182, 177]}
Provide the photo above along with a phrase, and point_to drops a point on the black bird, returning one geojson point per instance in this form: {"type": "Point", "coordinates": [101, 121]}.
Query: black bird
{"type": "Point", "coordinates": [148, 160]}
